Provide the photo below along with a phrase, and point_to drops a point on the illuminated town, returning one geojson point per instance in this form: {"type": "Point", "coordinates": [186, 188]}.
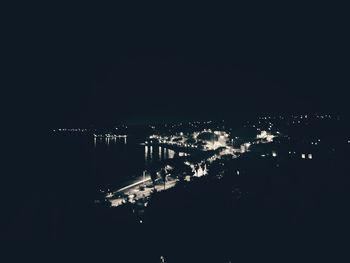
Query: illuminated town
{"type": "Point", "coordinates": [177, 154]}
{"type": "Point", "coordinates": [275, 175]}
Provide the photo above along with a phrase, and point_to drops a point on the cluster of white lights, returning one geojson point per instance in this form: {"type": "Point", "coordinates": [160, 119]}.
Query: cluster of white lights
{"type": "Point", "coordinates": [245, 147]}
{"type": "Point", "coordinates": [109, 136]}
{"type": "Point", "coordinates": [309, 156]}
{"type": "Point", "coordinates": [265, 136]}
{"type": "Point", "coordinates": [302, 116]}
{"type": "Point", "coordinates": [323, 116]}
{"type": "Point", "coordinates": [299, 116]}
{"type": "Point", "coordinates": [180, 140]}
{"type": "Point", "coordinates": [71, 130]}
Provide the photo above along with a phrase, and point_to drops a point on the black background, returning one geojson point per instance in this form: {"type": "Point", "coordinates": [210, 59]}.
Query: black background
{"type": "Point", "coordinates": [85, 67]}
{"type": "Point", "coordinates": [79, 66]}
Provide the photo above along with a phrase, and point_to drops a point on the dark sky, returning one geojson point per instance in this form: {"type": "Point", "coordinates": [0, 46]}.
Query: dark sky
{"type": "Point", "coordinates": [104, 69]}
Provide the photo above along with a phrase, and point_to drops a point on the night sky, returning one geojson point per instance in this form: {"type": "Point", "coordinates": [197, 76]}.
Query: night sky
{"type": "Point", "coordinates": [220, 65]}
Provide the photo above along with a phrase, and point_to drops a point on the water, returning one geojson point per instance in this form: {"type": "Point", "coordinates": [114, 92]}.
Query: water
{"type": "Point", "coordinates": [117, 161]}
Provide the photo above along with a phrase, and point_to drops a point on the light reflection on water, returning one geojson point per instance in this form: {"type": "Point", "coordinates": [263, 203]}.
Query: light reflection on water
{"type": "Point", "coordinates": [117, 160]}
{"type": "Point", "coordinates": [160, 154]}
{"type": "Point", "coordinates": [107, 141]}
{"type": "Point", "coordinates": [151, 153]}
{"type": "Point", "coordinates": [146, 154]}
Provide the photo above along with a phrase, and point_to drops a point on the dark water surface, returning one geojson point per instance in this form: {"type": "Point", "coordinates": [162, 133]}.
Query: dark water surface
{"type": "Point", "coordinates": [107, 163]}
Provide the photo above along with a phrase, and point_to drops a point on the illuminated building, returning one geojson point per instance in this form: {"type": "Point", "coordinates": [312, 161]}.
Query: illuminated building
{"type": "Point", "coordinates": [245, 147]}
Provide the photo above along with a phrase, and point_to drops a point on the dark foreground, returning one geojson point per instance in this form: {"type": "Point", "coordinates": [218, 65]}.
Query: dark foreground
{"type": "Point", "coordinates": [296, 211]}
